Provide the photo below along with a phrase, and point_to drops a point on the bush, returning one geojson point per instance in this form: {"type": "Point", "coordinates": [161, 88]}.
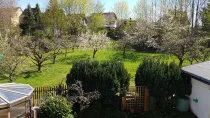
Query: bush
{"type": "Point", "coordinates": [108, 77]}
{"type": "Point", "coordinates": [55, 107]}
{"type": "Point", "coordinates": [161, 78]}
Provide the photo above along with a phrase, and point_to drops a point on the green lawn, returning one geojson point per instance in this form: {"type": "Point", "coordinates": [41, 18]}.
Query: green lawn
{"type": "Point", "coordinates": [52, 74]}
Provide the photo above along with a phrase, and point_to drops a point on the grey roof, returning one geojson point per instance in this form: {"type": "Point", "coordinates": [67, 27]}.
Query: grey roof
{"type": "Point", "coordinates": [200, 71]}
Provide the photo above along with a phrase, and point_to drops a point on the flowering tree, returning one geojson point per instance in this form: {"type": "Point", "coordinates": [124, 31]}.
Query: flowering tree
{"type": "Point", "coordinates": [39, 49]}
{"type": "Point", "coordinates": [14, 53]}
{"type": "Point", "coordinates": [139, 33]}
{"type": "Point", "coordinates": [95, 41]}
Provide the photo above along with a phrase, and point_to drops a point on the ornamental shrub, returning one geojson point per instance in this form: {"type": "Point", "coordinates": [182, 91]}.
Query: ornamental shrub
{"type": "Point", "coordinates": [55, 107]}
{"type": "Point", "coordinates": [107, 77]}
{"type": "Point", "coordinates": [160, 77]}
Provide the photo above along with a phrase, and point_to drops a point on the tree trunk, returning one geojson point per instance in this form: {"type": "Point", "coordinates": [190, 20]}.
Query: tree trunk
{"type": "Point", "coordinates": [39, 67]}
{"type": "Point", "coordinates": [94, 53]}
{"type": "Point", "coordinates": [192, 18]}
{"type": "Point", "coordinates": [66, 51]}
{"type": "Point", "coordinates": [191, 62]}
{"type": "Point", "coordinates": [73, 49]}
{"type": "Point", "coordinates": [196, 19]}
{"type": "Point", "coordinates": [10, 77]}
{"type": "Point", "coordinates": [181, 62]}
{"type": "Point", "coordinates": [124, 49]}
{"type": "Point", "coordinates": [54, 59]}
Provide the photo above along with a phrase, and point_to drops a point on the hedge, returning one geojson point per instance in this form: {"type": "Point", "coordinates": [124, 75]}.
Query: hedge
{"type": "Point", "coordinates": [160, 77]}
{"type": "Point", "coordinates": [107, 77]}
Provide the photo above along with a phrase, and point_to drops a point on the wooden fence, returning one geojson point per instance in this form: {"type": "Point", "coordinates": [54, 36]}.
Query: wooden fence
{"type": "Point", "coordinates": [136, 100]}
{"type": "Point", "coordinates": [41, 92]}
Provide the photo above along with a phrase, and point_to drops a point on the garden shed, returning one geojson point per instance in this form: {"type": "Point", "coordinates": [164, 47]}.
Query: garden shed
{"type": "Point", "coordinates": [200, 97]}
{"type": "Point", "coordinates": [15, 100]}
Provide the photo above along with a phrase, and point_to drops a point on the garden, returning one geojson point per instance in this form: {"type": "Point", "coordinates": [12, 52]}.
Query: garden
{"type": "Point", "coordinates": [96, 88]}
{"type": "Point", "coordinates": [85, 62]}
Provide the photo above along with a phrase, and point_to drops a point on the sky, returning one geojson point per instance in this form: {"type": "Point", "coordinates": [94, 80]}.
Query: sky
{"type": "Point", "coordinates": [108, 4]}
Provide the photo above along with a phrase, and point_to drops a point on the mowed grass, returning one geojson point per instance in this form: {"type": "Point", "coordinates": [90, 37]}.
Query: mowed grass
{"type": "Point", "coordinates": [53, 74]}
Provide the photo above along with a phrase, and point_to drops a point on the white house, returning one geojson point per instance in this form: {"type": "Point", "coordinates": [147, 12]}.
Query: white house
{"type": "Point", "coordinates": [200, 97]}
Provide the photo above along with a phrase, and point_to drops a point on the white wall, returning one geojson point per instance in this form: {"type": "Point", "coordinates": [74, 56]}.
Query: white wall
{"type": "Point", "coordinates": [201, 92]}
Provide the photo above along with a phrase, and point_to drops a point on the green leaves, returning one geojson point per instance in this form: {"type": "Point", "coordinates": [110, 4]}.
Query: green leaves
{"type": "Point", "coordinates": [55, 107]}
{"type": "Point", "coordinates": [107, 77]}
{"type": "Point", "coordinates": [160, 77]}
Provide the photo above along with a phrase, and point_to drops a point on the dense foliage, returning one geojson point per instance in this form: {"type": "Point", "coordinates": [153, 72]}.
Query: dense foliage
{"type": "Point", "coordinates": [55, 107]}
{"type": "Point", "coordinates": [108, 77]}
{"type": "Point", "coordinates": [161, 78]}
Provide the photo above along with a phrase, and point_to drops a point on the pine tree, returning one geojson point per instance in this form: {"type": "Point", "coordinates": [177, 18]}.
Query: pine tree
{"type": "Point", "coordinates": [28, 23]}
{"type": "Point", "coordinates": [38, 18]}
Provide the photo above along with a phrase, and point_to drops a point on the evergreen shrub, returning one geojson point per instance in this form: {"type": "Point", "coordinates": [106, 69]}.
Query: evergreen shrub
{"type": "Point", "coordinates": [160, 77]}
{"type": "Point", "coordinates": [107, 77]}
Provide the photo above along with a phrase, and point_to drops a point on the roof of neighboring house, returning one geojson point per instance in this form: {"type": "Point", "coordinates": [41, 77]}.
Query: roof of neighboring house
{"type": "Point", "coordinates": [12, 8]}
{"type": "Point", "coordinates": [110, 16]}
{"type": "Point", "coordinates": [200, 71]}
{"type": "Point", "coordinates": [25, 11]}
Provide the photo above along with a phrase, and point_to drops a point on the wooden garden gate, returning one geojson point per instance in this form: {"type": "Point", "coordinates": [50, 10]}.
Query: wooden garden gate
{"type": "Point", "coordinates": [136, 100]}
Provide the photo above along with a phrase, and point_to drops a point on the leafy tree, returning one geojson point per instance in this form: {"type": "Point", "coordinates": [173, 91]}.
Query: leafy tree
{"type": "Point", "coordinates": [204, 49]}
{"type": "Point", "coordinates": [54, 19]}
{"type": "Point", "coordinates": [97, 22]}
{"type": "Point", "coordinates": [121, 9]}
{"type": "Point", "coordinates": [28, 23]}
{"type": "Point", "coordinates": [77, 6]}
{"type": "Point", "coordinates": [141, 10]}
{"type": "Point", "coordinates": [98, 6]}
{"type": "Point", "coordinates": [95, 41]}
{"type": "Point", "coordinates": [75, 24]}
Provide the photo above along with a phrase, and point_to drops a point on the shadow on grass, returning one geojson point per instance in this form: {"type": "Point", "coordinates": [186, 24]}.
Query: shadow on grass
{"type": "Point", "coordinates": [71, 59]}
{"type": "Point", "coordinates": [29, 74]}
{"type": "Point", "coordinates": [3, 77]}
{"type": "Point", "coordinates": [129, 56]}
{"type": "Point", "coordinates": [138, 56]}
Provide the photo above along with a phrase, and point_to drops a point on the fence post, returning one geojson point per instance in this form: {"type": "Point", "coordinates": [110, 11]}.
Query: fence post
{"type": "Point", "coordinates": [146, 96]}
{"type": "Point", "coordinates": [124, 103]}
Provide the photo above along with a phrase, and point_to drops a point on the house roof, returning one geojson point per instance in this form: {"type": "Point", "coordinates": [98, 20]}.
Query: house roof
{"type": "Point", "coordinates": [25, 11]}
{"type": "Point", "coordinates": [13, 9]}
{"type": "Point", "coordinates": [200, 71]}
{"type": "Point", "coordinates": [110, 16]}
